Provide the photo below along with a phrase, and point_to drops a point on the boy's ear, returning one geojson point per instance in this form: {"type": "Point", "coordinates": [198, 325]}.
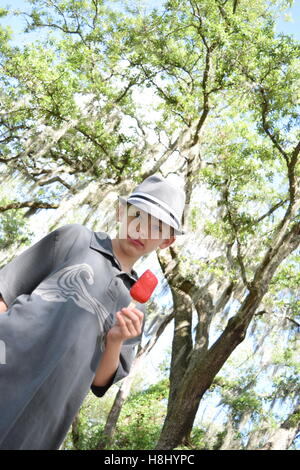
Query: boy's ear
{"type": "Point", "coordinates": [167, 243]}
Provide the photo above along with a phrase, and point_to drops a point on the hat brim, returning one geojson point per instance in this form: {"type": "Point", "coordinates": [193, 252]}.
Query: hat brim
{"type": "Point", "coordinates": [155, 211]}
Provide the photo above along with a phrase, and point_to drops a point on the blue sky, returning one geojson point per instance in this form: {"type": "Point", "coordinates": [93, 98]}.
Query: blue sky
{"type": "Point", "coordinates": [289, 22]}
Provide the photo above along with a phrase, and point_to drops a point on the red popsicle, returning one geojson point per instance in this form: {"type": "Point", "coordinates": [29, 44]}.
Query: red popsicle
{"type": "Point", "coordinates": [143, 288]}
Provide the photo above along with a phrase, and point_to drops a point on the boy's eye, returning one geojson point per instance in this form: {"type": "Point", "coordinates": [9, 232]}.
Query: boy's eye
{"type": "Point", "coordinates": [157, 228]}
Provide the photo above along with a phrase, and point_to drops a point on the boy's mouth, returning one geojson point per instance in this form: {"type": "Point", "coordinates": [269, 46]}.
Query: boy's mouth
{"type": "Point", "coordinates": [135, 242]}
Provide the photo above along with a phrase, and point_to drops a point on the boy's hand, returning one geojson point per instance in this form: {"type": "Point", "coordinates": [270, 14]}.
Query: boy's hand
{"type": "Point", "coordinates": [128, 324]}
{"type": "Point", "coordinates": [3, 306]}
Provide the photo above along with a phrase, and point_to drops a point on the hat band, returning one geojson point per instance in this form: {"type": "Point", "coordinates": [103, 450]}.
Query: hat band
{"type": "Point", "coordinates": [156, 201]}
{"type": "Point", "coordinates": [137, 196]}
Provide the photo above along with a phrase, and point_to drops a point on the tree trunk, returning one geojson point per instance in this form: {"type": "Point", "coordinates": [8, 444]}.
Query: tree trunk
{"type": "Point", "coordinates": [257, 436]}
{"type": "Point", "coordinates": [75, 431]}
{"type": "Point", "coordinates": [183, 406]}
{"type": "Point", "coordinates": [202, 365]}
{"type": "Point", "coordinates": [283, 437]}
{"type": "Point", "coordinates": [113, 416]}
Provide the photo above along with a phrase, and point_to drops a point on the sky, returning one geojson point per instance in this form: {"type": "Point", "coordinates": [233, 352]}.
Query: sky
{"type": "Point", "coordinates": [289, 22]}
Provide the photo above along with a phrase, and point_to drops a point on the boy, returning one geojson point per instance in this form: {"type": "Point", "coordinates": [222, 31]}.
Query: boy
{"type": "Point", "coordinates": [64, 319]}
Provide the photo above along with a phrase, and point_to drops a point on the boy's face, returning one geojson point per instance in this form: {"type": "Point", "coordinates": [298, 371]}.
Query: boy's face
{"type": "Point", "coordinates": [142, 232]}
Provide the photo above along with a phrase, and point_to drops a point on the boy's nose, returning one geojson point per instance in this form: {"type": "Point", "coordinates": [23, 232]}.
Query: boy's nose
{"type": "Point", "coordinates": [142, 230]}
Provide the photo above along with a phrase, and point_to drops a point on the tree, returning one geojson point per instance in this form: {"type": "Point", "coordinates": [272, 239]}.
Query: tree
{"type": "Point", "coordinates": [195, 366]}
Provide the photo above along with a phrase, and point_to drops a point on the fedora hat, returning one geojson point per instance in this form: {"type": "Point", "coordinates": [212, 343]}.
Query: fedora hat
{"type": "Point", "coordinates": [158, 197]}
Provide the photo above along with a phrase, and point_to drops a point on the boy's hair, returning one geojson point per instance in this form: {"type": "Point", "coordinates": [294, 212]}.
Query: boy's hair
{"type": "Point", "coordinates": [172, 231]}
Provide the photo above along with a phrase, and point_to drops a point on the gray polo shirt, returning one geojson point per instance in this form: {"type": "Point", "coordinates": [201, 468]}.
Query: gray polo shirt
{"type": "Point", "coordinates": [62, 295]}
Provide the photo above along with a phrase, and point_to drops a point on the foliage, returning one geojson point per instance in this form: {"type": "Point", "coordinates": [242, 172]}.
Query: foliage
{"type": "Point", "coordinates": [14, 229]}
{"type": "Point", "coordinates": [139, 424]}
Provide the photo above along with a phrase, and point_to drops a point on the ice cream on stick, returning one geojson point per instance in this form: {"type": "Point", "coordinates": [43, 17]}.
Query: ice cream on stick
{"type": "Point", "coordinates": [143, 288]}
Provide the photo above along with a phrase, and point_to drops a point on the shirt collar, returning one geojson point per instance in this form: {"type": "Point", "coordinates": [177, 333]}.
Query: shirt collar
{"type": "Point", "coordinates": [101, 241]}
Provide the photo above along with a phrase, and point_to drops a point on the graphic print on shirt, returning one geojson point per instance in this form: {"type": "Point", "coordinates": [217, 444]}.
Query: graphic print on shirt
{"type": "Point", "coordinates": [70, 283]}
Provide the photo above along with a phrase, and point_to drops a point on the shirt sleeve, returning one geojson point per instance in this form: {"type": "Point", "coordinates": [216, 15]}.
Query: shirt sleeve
{"type": "Point", "coordinates": [26, 271]}
{"type": "Point", "coordinates": [127, 355]}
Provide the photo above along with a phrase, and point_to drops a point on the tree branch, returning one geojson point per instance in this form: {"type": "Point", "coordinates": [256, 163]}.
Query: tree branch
{"type": "Point", "coordinates": [235, 229]}
{"type": "Point", "coordinates": [53, 180]}
{"type": "Point", "coordinates": [270, 211]}
{"type": "Point", "coordinates": [266, 127]}
{"type": "Point", "coordinates": [31, 204]}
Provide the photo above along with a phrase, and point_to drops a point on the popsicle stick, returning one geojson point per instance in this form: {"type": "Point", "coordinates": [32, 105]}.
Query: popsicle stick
{"type": "Point", "coordinates": [132, 304]}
